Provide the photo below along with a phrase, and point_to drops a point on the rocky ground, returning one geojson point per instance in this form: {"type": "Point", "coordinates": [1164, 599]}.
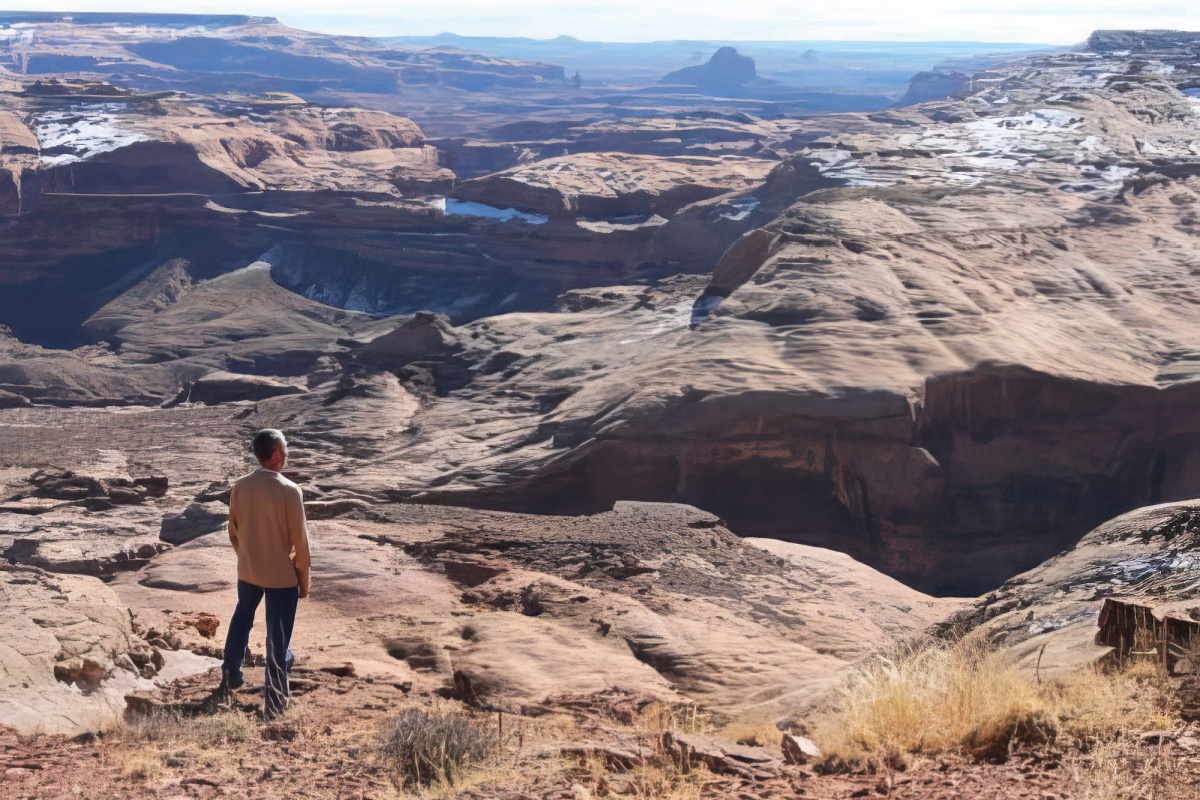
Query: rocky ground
{"type": "Point", "coordinates": [325, 749]}
{"type": "Point", "coordinates": [504, 608]}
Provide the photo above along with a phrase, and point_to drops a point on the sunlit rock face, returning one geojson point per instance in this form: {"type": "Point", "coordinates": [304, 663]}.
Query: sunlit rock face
{"type": "Point", "coordinates": [954, 367]}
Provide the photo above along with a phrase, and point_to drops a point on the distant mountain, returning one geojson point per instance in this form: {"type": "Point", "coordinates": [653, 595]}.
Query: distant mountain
{"type": "Point", "coordinates": [727, 68]}
{"type": "Point", "coordinates": [836, 67]}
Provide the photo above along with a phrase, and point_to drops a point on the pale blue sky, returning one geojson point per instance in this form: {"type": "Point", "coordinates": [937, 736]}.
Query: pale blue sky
{"type": "Point", "coordinates": [1053, 22]}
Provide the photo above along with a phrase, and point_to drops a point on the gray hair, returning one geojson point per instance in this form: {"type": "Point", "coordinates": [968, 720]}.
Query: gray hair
{"type": "Point", "coordinates": [266, 442]}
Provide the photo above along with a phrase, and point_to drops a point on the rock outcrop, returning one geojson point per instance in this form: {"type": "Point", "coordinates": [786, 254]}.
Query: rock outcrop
{"type": "Point", "coordinates": [936, 85]}
{"type": "Point", "coordinates": [227, 387]}
{"type": "Point", "coordinates": [1047, 617]}
{"type": "Point", "coordinates": [614, 185]}
{"type": "Point", "coordinates": [68, 654]}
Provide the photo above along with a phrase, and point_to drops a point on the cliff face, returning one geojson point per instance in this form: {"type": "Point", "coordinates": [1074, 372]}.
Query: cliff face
{"type": "Point", "coordinates": [935, 85]}
{"type": "Point", "coordinates": [952, 368]}
{"type": "Point", "coordinates": [1164, 41]}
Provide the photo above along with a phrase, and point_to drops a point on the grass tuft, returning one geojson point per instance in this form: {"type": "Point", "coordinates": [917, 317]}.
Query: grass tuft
{"type": "Point", "coordinates": [929, 697]}
{"type": "Point", "coordinates": [438, 745]}
{"type": "Point", "coordinates": [935, 696]}
{"type": "Point", "coordinates": [1123, 769]}
{"type": "Point", "coordinates": [146, 745]}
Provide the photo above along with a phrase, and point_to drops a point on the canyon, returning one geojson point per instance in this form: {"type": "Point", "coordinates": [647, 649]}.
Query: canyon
{"type": "Point", "coordinates": [915, 336]}
{"type": "Point", "coordinates": [686, 379]}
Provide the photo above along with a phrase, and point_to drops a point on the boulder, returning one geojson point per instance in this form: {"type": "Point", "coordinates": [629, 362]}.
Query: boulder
{"type": "Point", "coordinates": [203, 565]}
{"type": "Point", "coordinates": [422, 336]}
{"type": "Point", "coordinates": [693, 750]}
{"type": "Point", "coordinates": [196, 694]}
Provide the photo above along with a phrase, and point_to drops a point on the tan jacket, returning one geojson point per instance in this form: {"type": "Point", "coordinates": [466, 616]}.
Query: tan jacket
{"type": "Point", "coordinates": [268, 531]}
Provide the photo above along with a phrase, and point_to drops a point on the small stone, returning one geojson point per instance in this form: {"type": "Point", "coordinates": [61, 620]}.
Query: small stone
{"type": "Point", "coordinates": [799, 750]}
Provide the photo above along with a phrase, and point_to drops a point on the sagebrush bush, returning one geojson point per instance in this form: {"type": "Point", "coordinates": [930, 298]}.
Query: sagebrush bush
{"type": "Point", "coordinates": [436, 745]}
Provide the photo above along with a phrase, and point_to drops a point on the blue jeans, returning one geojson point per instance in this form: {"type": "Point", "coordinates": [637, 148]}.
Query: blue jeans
{"type": "Point", "coordinates": [281, 616]}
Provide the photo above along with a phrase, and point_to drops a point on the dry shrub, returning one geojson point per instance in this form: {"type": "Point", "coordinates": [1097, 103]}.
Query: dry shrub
{"type": "Point", "coordinates": [1095, 705]}
{"type": "Point", "coordinates": [930, 697]}
{"type": "Point", "coordinates": [657, 779]}
{"type": "Point", "coordinates": [654, 782]}
{"type": "Point", "coordinates": [675, 717]}
{"type": "Point", "coordinates": [438, 745]}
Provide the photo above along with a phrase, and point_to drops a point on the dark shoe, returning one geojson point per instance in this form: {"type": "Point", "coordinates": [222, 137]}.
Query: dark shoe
{"type": "Point", "coordinates": [269, 716]}
{"type": "Point", "coordinates": [229, 684]}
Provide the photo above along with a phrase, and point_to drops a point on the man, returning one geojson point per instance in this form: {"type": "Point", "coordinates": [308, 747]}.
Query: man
{"type": "Point", "coordinates": [269, 534]}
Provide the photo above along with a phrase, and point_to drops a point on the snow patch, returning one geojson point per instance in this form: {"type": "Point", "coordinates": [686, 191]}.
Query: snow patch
{"type": "Point", "coordinates": [466, 208]}
{"type": "Point", "coordinates": [81, 132]}
{"type": "Point", "coordinates": [740, 209]}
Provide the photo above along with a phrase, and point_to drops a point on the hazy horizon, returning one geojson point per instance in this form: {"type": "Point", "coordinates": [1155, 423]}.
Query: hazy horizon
{"type": "Point", "coordinates": [630, 21]}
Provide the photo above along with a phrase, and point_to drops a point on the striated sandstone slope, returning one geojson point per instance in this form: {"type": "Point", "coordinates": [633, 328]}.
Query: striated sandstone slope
{"type": "Point", "coordinates": [501, 610]}
{"type": "Point", "coordinates": [956, 336]}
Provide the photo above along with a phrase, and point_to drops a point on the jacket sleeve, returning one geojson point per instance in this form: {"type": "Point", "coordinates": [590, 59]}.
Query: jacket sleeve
{"type": "Point", "coordinates": [298, 534]}
{"type": "Point", "coordinates": [233, 522]}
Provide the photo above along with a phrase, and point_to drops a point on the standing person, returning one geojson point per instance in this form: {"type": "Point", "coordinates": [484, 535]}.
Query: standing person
{"type": "Point", "coordinates": [269, 535]}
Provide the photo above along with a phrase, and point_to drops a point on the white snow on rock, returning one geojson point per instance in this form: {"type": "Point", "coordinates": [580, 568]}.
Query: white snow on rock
{"type": "Point", "coordinates": [83, 131]}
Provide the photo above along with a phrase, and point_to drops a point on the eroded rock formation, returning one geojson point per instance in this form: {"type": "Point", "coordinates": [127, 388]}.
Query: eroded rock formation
{"type": "Point", "coordinates": [948, 339]}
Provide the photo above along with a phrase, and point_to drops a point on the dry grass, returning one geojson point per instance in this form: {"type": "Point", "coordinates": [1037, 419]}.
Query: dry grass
{"type": "Point", "coordinates": [435, 746]}
{"type": "Point", "coordinates": [658, 779]}
{"type": "Point", "coordinates": [931, 697]}
{"type": "Point", "coordinates": [1124, 770]}
{"type": "Point", "coordinates": [1093, 706]}
{"type": "Point", "coordinates": [756, 730]}
{"type": "Point", "coordinates": [143, 747]}
{"type": "Point", "coordinates": [656, 782]}
{"type": "Point", "coordinates": [937, 697]}
{"type": "Point", "coordinates": [658, 717]}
